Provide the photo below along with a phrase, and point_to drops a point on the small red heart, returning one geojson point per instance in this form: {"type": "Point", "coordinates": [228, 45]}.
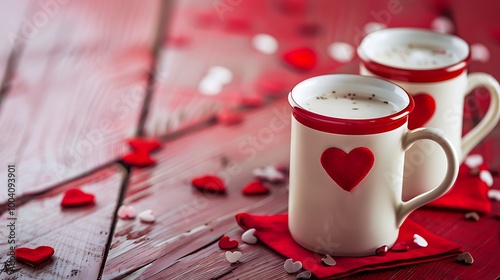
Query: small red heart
{"type": "Point", "coordinates": [76, 198]}
{"type": "Point", "coordinates": [227, 117]}
{"type": "Point", "coordinates": [255, 188]}
{"type": "Point", "coordinates": [347, 170]}
{"type": "Point", "coordinates": [34, 256]}
{"type": "Point", "coordinates": [252, 101]}
{"type": "Point", "coordinates": [301, 58]}
{"type": "Point", "coordinates": [143, 144]}
{"type": "Point", "coordinates": [141, 159]}
{"type": "Point", "coordinates": [209, 183]}
{"type": "Point", "coordinates": [271, 85]}
{"type": "Point", "coordinates": [424, 110]}
{"type": "Point", "coordinates": [400, 247]}
{"type": "Point", "coordinates": [226, 244]}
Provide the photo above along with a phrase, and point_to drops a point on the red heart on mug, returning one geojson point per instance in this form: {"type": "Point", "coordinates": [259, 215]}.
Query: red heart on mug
{"type": "Point", "coordinates": [424, 110]}
{"type": "Point", "coordinates": [76, 197]}
{"type": "Point", "coordinates": [34, 256]}
{"type": "Point", "coordinates": [347, 169]}
{"type": "Point", "coordinates": [301, 58]}
{"type": "Point", "coordinates": [209, 183]}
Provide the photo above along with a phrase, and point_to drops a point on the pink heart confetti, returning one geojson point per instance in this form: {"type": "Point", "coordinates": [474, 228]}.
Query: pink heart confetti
{"type": "Point", "coordinates": [126, 212]}
{"type": "Point", "coordinates": [265, 43]}
{"type": "Point", "coordinates": [479, 52]}
{"type": "Point", "coordinates": [420, 241]}
{"type": "Point", "coordinates": [146, 216]}
{"type": "Point", "coordinates": [473, 161]}
{"type": "Point", "coordinates": [341, 52]}
{"type": "Point", "coordinates": [486, 177]}
{"type": "Point", "coordinates": [291, 267]}
{"type": "Point", "coordinates": [269, 174]}
{"type": "Point", "coordinates": [249, 236]}
{"type": "Point", "coordinates": [233, 257]}
{"type": "Point", "coordinates": [494, 195]}
{"type": "Point", "coordinates": [442, 24]}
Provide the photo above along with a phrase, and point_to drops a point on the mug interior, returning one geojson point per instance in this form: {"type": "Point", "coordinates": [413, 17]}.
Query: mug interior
{"type": "Point", "coordinates": [413, 49]}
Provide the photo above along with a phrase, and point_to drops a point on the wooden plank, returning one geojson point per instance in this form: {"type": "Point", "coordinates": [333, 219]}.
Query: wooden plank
{"type": "Point", "coordinates": [78, 235]}
{"type": "Point", "coordinates": [77, 91]}
{"type": "Point", "coordinates": [231, 152]}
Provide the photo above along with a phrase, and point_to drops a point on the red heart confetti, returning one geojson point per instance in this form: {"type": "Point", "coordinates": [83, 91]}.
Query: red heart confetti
{"type": "Point", "coordinates": [255, 188]}
{"type": "Point", "coordinates": [143, 144]}
{"type": "Point", "coordinates": [382, 250]}
{"type": "Point", "coordinates": [138, 159]}
{"type": "Point", "coordinates": [271, 85]}
{"type": "Point", "coordinates": [301, 58]}
{"type": "Point", "coordinates": [237, 24]}
{"type": "Point", "coordinates": [424, 110]}
{"type": "Point", "coordinates": [76, 198]}
{"type": "Point", "coordinates": [400, 247]}
{"type": "Point", "coordinates": [228, 117]}
{"type": "Point", "coordinates": [34, 256]}
{"type": "Point", "coordinates": [347, 169]}
{"type": "Point", "coordinates": [209, 183]}
{"type": "Point", "coordinates": [226, 244]}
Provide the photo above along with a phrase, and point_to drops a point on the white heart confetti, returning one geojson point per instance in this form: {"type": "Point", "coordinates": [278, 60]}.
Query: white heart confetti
{"type": "Point", "coordinates": [265, 43]}
{"type": "Point", "coordinates": [442, 25]}
{"type": "Point", "coordinates": [292, 267]}
{"type": "Point", "coordinates": [494, 194]}
{"type": "Point", "coordinates": [473, 161]}
{"type": "Point", "coordinates": [304, 275]}
{"type": "Point", "coordinates": [249, 237]}
{"type": "Point", "coordinates": [340, 51]}
{"type": "Point", "coordinates": [420, 241]}
{"type": "Point", "coordinates": [479, 52]}
{"type": "Point", "coordinates": [486, 177]}
{"type": "Point", "coordinates": [328, 261]}
{"type": "Point", "coordinates": [126, 212]}
{"type": "Point", "coordinates": [221, 74]}
{"type": "Point", "coordinates": [373, 26]}
{"type": "Point", "coordinates": [269, 173]}
{"type": "Point", "coordinates": [210, 86]}
{"type": "Point", "coordinates": [233, 257]}
{"type": "Point", "coordinates": [146, 216]}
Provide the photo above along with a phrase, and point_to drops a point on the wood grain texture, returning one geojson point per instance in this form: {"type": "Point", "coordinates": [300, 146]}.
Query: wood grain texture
{"type": "Point", "coordinates": [216, 33]}
{"type": "Point", "coordinates": [231, 153]}
{"type": "Point", "coordinates": [78, 235]}
{"type": "Point", "coordinates": [77, 89]}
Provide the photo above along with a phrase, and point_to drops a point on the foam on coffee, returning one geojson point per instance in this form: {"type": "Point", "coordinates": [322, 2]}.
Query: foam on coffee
{"type": "Point", "coordinates": [349, 105]}
{"type": "Point", "coordinates": [416, 56]}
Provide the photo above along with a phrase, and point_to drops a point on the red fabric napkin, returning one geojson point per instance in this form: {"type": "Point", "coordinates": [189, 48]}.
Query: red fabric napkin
{"type": "Point", "coordinates": [469, 193]}
{"type": "Point", "coordinates": [273, 231]}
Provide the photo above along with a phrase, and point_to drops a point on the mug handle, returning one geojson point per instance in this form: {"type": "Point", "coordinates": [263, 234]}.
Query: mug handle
{"type": "Point", "coordinates": [486, 125]}
{"type": "Point", "coordinates": [410, 137]}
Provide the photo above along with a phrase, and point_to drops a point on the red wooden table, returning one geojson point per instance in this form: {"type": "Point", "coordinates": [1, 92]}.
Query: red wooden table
{"type": "Point", "coordinates": [79, 78]}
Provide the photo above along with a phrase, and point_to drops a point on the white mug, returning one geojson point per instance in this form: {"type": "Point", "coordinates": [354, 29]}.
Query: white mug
{"type": "Point", "coordinates": [433, 68]}
{"type": "Point", "coordinates": [348, 140]}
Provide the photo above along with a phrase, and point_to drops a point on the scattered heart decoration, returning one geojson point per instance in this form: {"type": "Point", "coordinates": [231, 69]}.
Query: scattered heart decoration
{"type": "Point", "coordinates": [34, 256]}
{"type": "Point", "coordinates": [76, 198]}
{"type": "Point", "coordinates": [270, 174]}
{"type": "Point", "coordinates": [486, 177]}
{"type": "Point", "coordinates": [472, 216]}
{"type": "Point", "coordinates": [473, 161]}
{"type": "Point", "coordinates": [382, 250]}
{"type": "Point", "coordinates": [126, 212]}
{"type": "Point", "coordinates": [420, 241]}
{"type": "Point", "coordinates": [328, 261]}
{"type": "Point", "coordinates": [249, 236]}
{"type": "Point", "coordinates": [400, 247]}
{"type": "Point", "coordinates": [138, 159]}
{"type": "Point", "coordinates": [304, 275]}
{"type": "Point", "coordinates": [301, 58]}
{"type": "Point", "coordinates": [209, 183]}
{"type": "Point", "coordinates": [291, 267]}
{"type": "Point", "coordinates": [226, 244]}
{"type": "Point", "coordinates": [494, 194]}
{"type": "Point", "coordinates": [255, 188]}
{"type": "Point", "coordinates": [423, 112]}
{"type": "Point", "coordinates": [251, 101]}
{"type": "Point", "coordinates": [347, 169]}
{"type": "Point", "coordinates": [141, 148]}
{"type": "Point", "coordinates": [144, 144]}
{"type": "Point", "coordinates": [228, 117]}
{"type": "Point", "coordinates": [146, 216]}
{"type": "Point", "coordinates": [233, 257]}
{"type": "Point", "coordinates": [465, 258]}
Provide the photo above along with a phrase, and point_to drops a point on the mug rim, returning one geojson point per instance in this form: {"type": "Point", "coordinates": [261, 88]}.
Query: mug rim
{"type": "Point", "coordinates": [351, 126]}
{"type": "Point", "coordinates": [403, 74]}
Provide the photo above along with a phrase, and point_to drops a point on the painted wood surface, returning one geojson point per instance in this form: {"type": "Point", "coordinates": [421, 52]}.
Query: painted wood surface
{"type": "Point", "coordinates": [77, 90]}
{"type": "Point", "coordinates": [78, 235]}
